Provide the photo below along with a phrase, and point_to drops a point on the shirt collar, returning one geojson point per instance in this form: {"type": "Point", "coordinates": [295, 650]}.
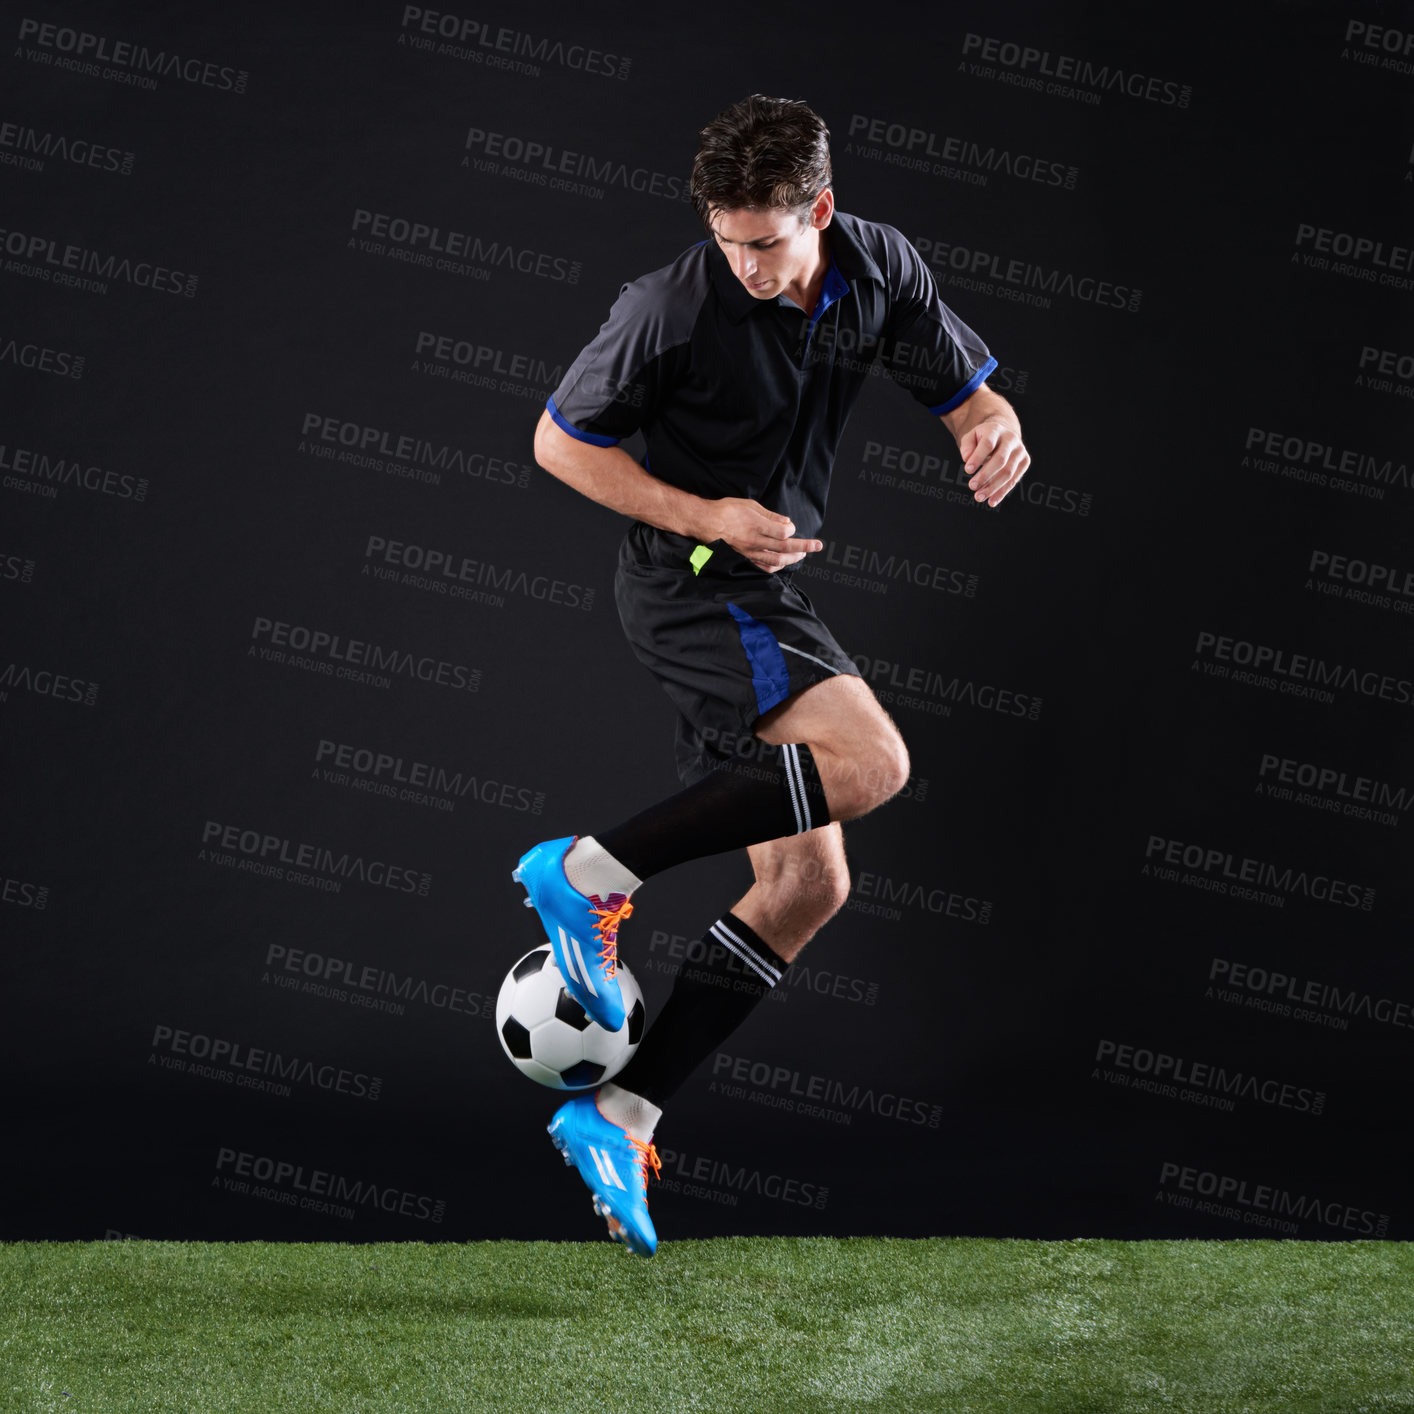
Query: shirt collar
{"type": "Point", "coordinates": [848, 255]}
{"type": "Point", "coordinates": [854, 261]}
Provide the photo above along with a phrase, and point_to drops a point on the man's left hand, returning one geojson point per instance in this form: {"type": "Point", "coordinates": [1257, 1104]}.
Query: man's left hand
{"type": "Point", "coordinates": [993, 458]}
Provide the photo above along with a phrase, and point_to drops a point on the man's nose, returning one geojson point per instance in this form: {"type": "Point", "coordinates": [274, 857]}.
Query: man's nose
{"type": "Point", "coordinates": [745, 263]}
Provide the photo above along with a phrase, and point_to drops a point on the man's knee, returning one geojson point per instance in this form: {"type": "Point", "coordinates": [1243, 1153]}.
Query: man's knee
{"type": "Point", "coordinates": [893, 768]}
{"type": "Point", "coordinates": [809, 888]}
{"type": "Point", "coordinates": [870, 772]}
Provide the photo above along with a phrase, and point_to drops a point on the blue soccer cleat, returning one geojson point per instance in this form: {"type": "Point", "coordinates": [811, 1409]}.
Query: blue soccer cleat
{"type": "Point", "coordinates": [615, 1166]}
{"type": "Point", "coordinates": [574, 924]}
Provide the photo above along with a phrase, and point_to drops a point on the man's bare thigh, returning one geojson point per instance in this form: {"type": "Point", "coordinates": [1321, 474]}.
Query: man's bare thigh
{"type": "Point", "coordinates": [830, 713]}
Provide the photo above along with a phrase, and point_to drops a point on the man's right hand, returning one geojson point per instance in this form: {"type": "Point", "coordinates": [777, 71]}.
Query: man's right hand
{"type": "Point", "coordinates": [765, 538]}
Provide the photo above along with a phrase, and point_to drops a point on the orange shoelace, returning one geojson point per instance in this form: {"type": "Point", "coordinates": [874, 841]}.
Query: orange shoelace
{"type": "Point", "coordinates": [647, 1159]}
{"type": "Point", "coordinates": [608, 930]}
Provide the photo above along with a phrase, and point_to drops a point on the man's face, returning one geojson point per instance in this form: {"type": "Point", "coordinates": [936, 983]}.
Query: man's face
{"type": "Point", "coordinates": [770, 250]}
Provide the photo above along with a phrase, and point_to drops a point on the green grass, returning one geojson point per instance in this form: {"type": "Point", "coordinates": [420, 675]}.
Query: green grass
{"type": "Point", "coordinates": [770, 1326]}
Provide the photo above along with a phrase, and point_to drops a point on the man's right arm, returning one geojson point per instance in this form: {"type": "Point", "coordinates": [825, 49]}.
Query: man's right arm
{"type": "Point", "coordinates": [614, 479]}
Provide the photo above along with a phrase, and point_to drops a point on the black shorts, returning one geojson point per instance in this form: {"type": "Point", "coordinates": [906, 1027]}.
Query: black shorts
{"type": "Point", "coordinates": [726, 642]}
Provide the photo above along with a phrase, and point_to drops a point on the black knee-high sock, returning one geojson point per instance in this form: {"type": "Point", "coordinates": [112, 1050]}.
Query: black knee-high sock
{"type": "Point", "coordinates": [740, 803]}
{"type": "Point", "coordinates": [723, 977]}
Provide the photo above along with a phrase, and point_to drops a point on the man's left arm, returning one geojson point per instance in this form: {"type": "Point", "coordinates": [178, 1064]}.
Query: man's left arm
{"type": "Point", "coordinates": [988, 436]}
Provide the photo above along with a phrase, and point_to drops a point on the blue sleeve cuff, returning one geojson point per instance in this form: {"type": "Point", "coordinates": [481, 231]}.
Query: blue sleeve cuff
{"type": "Point", "coordinates": [964, 392]}
{"type": "Point", "coordinates": [593, 438]}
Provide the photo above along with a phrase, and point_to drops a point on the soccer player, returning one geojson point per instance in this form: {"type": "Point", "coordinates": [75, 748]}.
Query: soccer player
{"type": "Point", "coordinates": [739, 363]}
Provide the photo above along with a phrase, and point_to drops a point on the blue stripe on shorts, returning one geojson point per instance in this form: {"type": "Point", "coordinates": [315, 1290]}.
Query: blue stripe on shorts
{"type": "Point", "coordinates": [769, 675]}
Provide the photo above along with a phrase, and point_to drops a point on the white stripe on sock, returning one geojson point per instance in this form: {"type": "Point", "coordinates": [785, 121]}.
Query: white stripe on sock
{"type": "Point", "coordinates": [760, 969]}
{"type": "Point", "coordinates": [746, 961]}
{"type": "Point", "coordinates": [746, 947]}
{"type": "Point", "coordinates": [794, 751]}
{"type": "Point", "coordinates": [790, 786]}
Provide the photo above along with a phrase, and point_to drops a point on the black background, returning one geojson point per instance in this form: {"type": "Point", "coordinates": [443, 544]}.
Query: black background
{"type": "Point", "coordinates": [989, 1030]}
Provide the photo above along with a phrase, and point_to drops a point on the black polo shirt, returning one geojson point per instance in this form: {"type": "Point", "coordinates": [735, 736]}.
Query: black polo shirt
{"type": "Point", "coordinates": [738, 396]}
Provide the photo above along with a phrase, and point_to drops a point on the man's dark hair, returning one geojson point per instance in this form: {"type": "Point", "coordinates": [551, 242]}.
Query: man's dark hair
{"type": "Point", "coordinates": [761, 154]}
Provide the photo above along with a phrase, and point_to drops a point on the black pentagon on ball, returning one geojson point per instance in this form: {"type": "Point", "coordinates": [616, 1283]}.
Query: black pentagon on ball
{"type": "Point", "coordinates": [635, 1024]}
{"type": "Point", "coordinates": [581, 1073]}
{"type": "Point", "coordinates": [517, 1038]}
{"type": "Point", "coordinates": [570, 1012]}
{"type": "Point", "coordinates": [530, 964]}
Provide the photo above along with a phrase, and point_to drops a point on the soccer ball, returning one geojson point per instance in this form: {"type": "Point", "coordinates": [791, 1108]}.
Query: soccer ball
{"type": "Point", "coordinates": [551, 1038]}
